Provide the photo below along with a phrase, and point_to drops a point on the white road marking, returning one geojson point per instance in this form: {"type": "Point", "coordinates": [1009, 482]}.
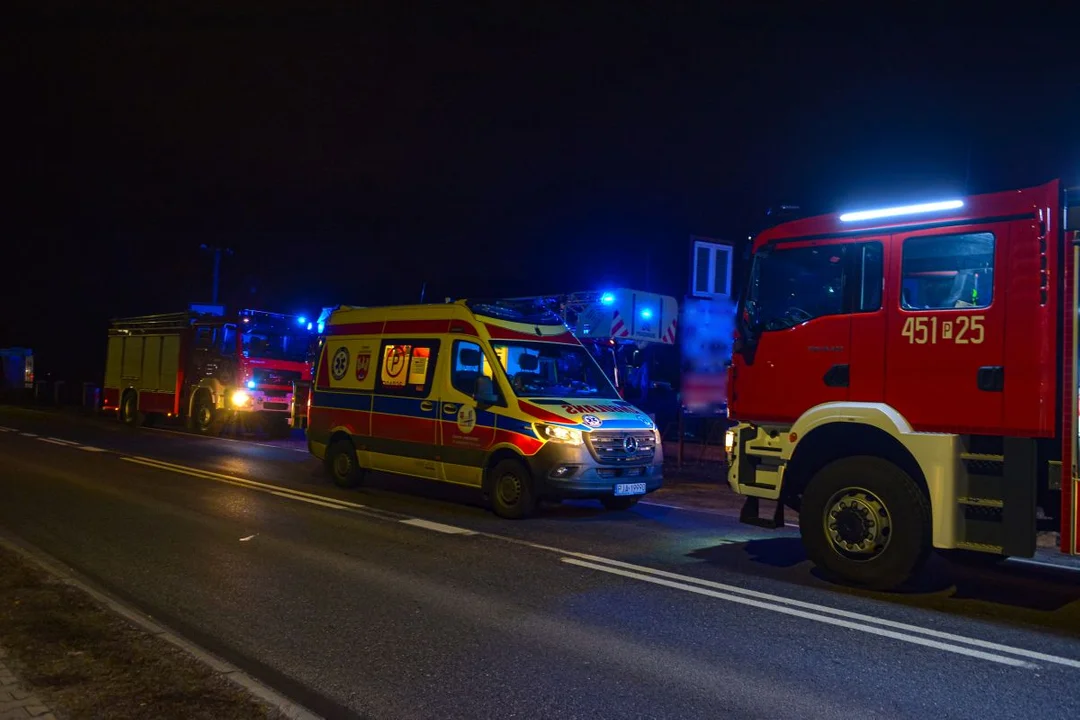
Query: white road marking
{"type": "Point", "coordinates": [820, 613]}
{"type": "Point", "coordinates": [926, 642]}
{"type": "Point", "coordinates": [91, 448]}
{"type": "Point", "coordinates": [250, 484]}
{"type": "Point", "coordinates": [26, 434]}
{"type": "Point", "coordinates": [7, 429]}
{"type": "Point", "coordinates": [813, 607]}
{"type": "Point", "coordinates": [249, 537]}
{"type": "Point", "coordinates": [225, 439]}
{"type": "Point", "coordinates": [61, 443]}
{"type": "Point", "coordinates": [438, 527]}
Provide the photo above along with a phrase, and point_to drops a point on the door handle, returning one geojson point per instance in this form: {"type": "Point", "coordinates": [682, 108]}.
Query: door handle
{"type": "Point", "coordinates": [838, 376]}
{"type": "Point", "coordinates": [449, 409]}
{"type": "Point", "coordinates": [991, 378]}
{"type": "Point", "coordinates": [427, 405]}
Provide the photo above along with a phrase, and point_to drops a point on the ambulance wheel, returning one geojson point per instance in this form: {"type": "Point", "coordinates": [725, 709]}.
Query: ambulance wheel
{"type": "Point", "coordinates": [510, 488]}
{"type": "Point", "coordinates": [612, 502]}
{"type": "Point", "coordinates": [342, 464]}
{"type": "Point", "coordinates": [129, 409]}
{"type": "Point", "coordinates": [204, 416]}
{"type": "Point", "coordinates": [866, 521]}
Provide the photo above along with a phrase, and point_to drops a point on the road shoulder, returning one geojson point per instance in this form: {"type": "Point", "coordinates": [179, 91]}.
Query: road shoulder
{"type": "Point", "coordinates": [81, 653]}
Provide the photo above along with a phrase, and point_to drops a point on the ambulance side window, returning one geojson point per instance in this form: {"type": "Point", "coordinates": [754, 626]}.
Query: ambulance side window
{"type": "Point", "coordinates": [406, 367]}
{"type": "Point", "coordinates": [469, 364]}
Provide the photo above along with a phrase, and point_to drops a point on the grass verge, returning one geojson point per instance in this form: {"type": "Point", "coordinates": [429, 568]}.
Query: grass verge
{"type": "Point", "coordinates": [85, 662]}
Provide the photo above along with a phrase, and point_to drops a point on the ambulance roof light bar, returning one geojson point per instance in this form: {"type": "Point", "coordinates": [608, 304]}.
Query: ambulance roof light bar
{"type": "Point", "coordinates": [901, 210]}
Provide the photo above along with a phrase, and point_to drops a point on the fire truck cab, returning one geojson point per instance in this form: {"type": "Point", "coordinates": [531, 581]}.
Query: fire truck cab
{"type": "Point", "coordinates": [905, 379]}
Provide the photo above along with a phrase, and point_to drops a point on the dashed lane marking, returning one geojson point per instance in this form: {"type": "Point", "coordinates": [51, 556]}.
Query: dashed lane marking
{"type": "Point", "coordinates": [51, 441]}
{"type": "Point", "coordinates": [26, 434]}
{"type": "Point", "coordinates": [61, 441]}
{"type": "Point", "coordinates": [91, 448]}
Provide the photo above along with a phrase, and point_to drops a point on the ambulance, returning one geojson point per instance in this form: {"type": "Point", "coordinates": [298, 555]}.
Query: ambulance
{"type": "Point", "coordinates": [496, 395]}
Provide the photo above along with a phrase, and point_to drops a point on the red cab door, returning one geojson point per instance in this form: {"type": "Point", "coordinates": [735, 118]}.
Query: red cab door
{"type": "Point", "coordinates": [946, 329]}
{"type": "Point", "coordinates": [798, 309]}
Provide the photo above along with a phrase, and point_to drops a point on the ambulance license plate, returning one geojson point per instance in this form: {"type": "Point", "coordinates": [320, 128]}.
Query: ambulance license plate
{"type": "Point", "coordinates": [630, 489]}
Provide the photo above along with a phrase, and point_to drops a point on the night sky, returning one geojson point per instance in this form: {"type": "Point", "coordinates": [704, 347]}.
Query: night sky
{"type": "Point", "coordinates": [350, 157]}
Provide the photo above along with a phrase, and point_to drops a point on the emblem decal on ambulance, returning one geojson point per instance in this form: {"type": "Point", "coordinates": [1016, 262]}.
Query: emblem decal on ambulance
{"type": "Point", "coordinates": [592, 421]}
{"type": "Point", "coordinates": [363, 362]}
{"type": "Point", "coordinates": [466, 419]}
{"type": "Point", "coordinates": [340, 364]}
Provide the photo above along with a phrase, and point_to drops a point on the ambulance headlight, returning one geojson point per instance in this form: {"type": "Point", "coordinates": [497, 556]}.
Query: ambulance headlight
{"type": "Point", "coordinates": [559, 434]}
{"type": "Point", "coordinates": [729, 441]}
{"type": "Point", "coordinates": [240, 398]}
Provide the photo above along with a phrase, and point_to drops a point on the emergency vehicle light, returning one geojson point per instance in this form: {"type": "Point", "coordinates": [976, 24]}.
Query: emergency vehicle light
{"type": "Point", "coordinates": [301, 320]}
{"type": "Point", "coordinates": [902, 210]}
{"type": "Point", "coordinates": [646, 313]}
{"type": "Point", "coordinates": [607, 299]}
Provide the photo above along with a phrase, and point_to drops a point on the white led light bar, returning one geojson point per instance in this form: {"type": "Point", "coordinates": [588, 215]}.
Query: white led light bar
{"type": "Point", "coordinates": [902, 210]}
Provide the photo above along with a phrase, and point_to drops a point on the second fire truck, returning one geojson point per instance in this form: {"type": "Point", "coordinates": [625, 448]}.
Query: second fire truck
{"type": "Point", "coordinates": [905, 378]}
{"type": "Point", "coordinates": [209, 369]}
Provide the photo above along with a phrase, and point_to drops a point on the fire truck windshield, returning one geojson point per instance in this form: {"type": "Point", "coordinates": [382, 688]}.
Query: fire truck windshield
{"type": "Point", "coordinates": [789, 286]}
{"type": "Point", "coordinates": [276, 345]}
{"type": "Point", "coordinates": [539, 369]}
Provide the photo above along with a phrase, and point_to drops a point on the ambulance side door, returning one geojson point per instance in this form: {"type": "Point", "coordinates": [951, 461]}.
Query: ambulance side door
{"type": "Point", "coordinates": [466, 429]}
{"type": "Point", "coordinates": [404, 408]}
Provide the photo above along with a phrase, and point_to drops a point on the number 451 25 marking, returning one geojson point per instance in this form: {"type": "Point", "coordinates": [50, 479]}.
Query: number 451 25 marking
{"type": "Point", "coordinates": [961, 330]}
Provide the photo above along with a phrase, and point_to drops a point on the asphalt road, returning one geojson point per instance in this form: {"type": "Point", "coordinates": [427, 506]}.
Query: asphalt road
{"type": "Point", "coordinates": [409, 600]}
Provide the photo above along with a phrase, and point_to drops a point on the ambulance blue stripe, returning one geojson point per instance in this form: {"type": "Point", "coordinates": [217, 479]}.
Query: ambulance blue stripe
{"type": "Point", "coordinates": [342, 401]}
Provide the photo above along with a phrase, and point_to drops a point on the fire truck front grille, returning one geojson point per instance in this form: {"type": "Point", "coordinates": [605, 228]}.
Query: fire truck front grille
{"type": "Point", "coordinates": [621, 446]}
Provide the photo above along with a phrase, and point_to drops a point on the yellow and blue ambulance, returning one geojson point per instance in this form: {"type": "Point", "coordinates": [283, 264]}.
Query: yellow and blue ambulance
{"type": "Point", "coordinates": [496, 395]}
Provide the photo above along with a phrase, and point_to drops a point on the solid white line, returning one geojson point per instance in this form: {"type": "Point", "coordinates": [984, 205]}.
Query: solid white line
{"type": "Point", "coordinates": [438, 527]}
{"type": "Point", "coordinates": [225, 439]}
{"type": "Point", "coordinates": [766, 597]}
{"type": "Point", "coordinates": [914, 639]}
{"type": "Point", "coordinates": [90, 448]}
{"type": "Point", "coordinates": [304, 499]}
{"type": "Point", "coordinates": [248, 484]}
{"type": "Point", "coordinates": [210, 475]}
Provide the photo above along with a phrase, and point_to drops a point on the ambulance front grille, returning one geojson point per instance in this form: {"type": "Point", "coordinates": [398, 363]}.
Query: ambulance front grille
{"type": "Point", "coordinates": [611, 446]}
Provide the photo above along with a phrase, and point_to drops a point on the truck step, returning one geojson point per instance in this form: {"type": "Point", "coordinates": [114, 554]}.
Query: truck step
{"type": "Point", "coordinates": [980, 502]}
{"type": "Point", "coordinates": [749, 515]}
{"type": "Point", "coordinates": [980, 547]}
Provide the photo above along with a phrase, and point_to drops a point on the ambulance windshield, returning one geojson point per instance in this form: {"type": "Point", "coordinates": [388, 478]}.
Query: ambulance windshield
{"type": "Point", "coordinates": [542, 369]}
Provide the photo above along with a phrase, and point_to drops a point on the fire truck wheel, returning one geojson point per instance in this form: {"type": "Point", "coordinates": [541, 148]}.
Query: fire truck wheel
{"type": "Point", "coordinates": [342, 465]}
{"type": "Point", "coordinates": [510, 487]}
{"type": "Point", "coordinates": [205, 418]}
{"type": "Point", "coordinates": [864, 520]}
{"type": "Point", "coordinates": [129, 409]}
{"type": "Point", "coordinates": [619, 503]}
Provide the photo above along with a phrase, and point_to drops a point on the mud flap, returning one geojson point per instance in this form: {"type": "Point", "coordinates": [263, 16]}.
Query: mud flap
{"type": "Point", "coordinates": [749, 514]}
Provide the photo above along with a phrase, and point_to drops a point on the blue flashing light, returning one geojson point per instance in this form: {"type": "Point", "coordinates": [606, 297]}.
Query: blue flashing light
{"type": "Point", "coordinates": [646, 313]}
{"type": "Point", "coordinates": [309, 326]}
{"type": "Point", "coordinates": [902, 210]}
{"type": "Point", "coordinates": [607, 299]}
{"type": "Point", "coordinates": [322, 326]}
{"type": "Point", "coordinates": [251, 384]}
{"type": "Point", "coordinates": [301, 320]}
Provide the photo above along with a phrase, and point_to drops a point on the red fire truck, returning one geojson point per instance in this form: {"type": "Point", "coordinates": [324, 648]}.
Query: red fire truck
{"type": "Point", "coordinates": [905, 379]}
{"type": "Point", "coordinates": [208, 369]}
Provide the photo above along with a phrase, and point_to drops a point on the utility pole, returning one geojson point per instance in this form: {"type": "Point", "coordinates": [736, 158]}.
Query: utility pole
{"type": "Point", "coordinates": [218, 252]}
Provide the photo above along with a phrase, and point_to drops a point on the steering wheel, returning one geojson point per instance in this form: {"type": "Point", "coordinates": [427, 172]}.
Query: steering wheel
{"type": "Point", "coordinates": [798, 315]}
